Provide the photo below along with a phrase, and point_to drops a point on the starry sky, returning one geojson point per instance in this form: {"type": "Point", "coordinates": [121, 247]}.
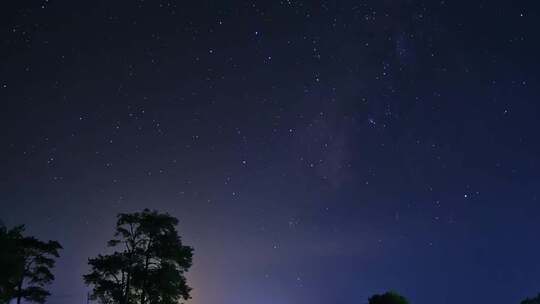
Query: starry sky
{"type": "Point", "coordinates": [313, 151]}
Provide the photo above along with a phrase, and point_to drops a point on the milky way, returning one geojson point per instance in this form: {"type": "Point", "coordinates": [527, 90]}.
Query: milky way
{"type": "Point", "coordinates": [313, 151]}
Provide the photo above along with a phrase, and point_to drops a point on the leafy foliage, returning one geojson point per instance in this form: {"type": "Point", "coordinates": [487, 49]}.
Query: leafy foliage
{"type": "Point", "coordinates": [26, 264]}
{"type": "Point", "coordinates": [9, 262]}
{"type": "Point", "coordinates": [150, 267]}
{"type": "Point", "coordinates": [388, 298]}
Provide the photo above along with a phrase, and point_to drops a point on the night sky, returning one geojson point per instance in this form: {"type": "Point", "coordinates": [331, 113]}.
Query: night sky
{"type": "Point", "coordinates": [313, 151]}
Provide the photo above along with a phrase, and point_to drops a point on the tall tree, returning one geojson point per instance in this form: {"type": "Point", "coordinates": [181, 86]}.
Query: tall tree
{"type": "Point", "coordinates": [388, 298]}
{"type": "Point", "coordinates": [149, 268]}
{"type": "Point", "coordinates": [9, 262]}
{"type": "Point", "coordinates": [26, 264]}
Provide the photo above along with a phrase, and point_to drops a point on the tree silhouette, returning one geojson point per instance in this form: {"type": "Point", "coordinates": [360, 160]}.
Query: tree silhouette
{"type": "Point", "coordinates": [9, 261]}
{"type": "Point", "coordinates": [150, 267]}
{"type": "Point", "coordinates": [26, 264]}
{"type": "Point", "coordinates": [388, 298]}
{"type": "Point", "coordinates": [535, 300]}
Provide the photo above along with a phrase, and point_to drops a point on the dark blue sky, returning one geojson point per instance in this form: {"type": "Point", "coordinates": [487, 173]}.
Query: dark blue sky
{"type": "Point", "coordinates": [314, 151]}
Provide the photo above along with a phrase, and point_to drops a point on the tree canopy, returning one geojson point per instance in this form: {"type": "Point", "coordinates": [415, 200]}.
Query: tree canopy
{"type": "Point", "coordinates": [26, 265]}
{"type": "Point", "coordinates": [388, 298]}
{"type": "Point", "coordinates": [9, 261]}
{"type": "Point", "coordinates": [148, 264]}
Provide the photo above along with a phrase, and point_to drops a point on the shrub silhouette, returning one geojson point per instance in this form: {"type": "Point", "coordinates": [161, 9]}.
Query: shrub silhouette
{"type": "Point", "coordinates": [388, 298]}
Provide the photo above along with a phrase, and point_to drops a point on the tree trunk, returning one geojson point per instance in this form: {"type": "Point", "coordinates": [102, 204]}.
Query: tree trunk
{"type": "Point", "coordinates": [126, 295]}
{"type": "Point", "coordinates": [19, 292]}
{"type": "Point", "coordinates": [144, 280]}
